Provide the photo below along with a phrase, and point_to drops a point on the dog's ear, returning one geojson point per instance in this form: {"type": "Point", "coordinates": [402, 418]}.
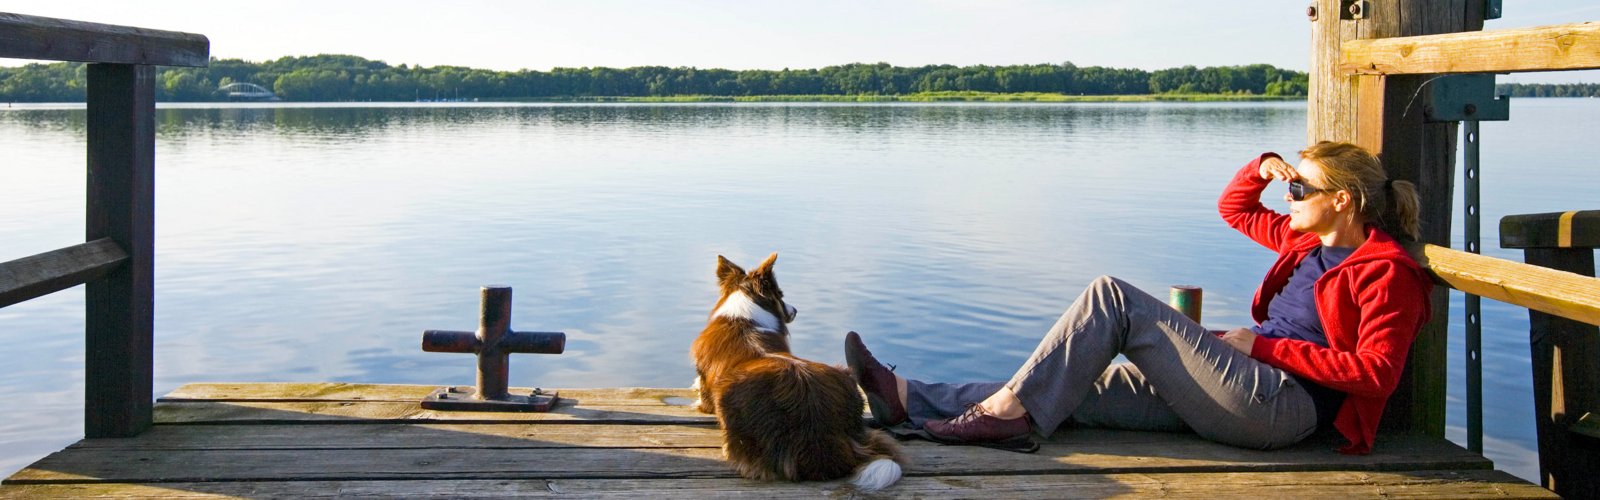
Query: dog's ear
{"type": "Point", "coordinates": [765, 267]}
{"type": "Point", "coordinates": [727, 271]}
{"type": "Point", "coordinates": [766, 282]}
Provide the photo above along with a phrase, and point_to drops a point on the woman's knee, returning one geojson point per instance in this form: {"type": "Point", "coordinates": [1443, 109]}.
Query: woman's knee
{"type": "Point", "coordinates": [1107, 284]}
{"type": "Point", "coordinates": [1104, 281]}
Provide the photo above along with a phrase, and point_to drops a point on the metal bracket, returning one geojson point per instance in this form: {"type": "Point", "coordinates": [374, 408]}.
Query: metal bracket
{"type": "Point", "coordinates": [1466, 97]}
{"type": "Point", "coordinates": [461, 399]}
{"type": "Point", "coordinates": [1588, 425]}
{"type": "Point", "coordinates": [1354, 9]}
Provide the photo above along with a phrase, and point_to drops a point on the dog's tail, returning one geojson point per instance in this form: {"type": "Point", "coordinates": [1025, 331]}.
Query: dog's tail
{"type": "Point", "coordinates": [883, 460]}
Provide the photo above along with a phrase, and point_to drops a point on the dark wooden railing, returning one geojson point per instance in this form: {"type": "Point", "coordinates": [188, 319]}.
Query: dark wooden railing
{"type": "Point", "coordinates": [117, 262]}
{"type": "Point", "coordinates": [1565, 348]}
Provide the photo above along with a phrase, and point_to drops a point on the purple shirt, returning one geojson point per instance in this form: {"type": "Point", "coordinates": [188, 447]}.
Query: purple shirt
{"type": "Point", "coordinates": [1292, 314]}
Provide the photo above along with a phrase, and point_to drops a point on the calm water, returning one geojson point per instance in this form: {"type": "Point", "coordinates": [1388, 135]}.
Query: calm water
{"type": "Point", "coordinates": [315, 243]}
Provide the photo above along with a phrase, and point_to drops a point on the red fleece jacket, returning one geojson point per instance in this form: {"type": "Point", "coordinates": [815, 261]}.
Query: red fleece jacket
{"type": "Point", "coordinates": [1371, 306]}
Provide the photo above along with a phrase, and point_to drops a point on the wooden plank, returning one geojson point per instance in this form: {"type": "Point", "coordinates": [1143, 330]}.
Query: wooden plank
{"type": "Point", "coordinates": [289, 392]}
{"type": "Point", "coordinates": [34, 37]}
{"type": "Point", "coordinates": [1244, 486]}
{"type": "Point", "coordinates": [1539, 48]}
{"type": "Point", "coordinates": [344, 412]}
{"type": "Point", "coordinates": [1551, 291]}
{"type": "Point", "coordinates": [377, 403]}
{"type": "Point", "coordinates": [530, 435]}
{"type": "Point", "coordinates": [46, 273]}
{"type": "Point", "coordinates": [1087, 447]}
{"type": "Point", "coordinates": [262, 453]}
{"type": "Point", "coordinates": [630, 406]}
{"type": "Point", "coordinates": [621, 463]}
{"type": "Point", "coordinates": [118, 316]}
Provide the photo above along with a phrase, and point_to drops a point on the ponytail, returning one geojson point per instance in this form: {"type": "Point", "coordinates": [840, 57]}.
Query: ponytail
{"type": "Point", "coordinates": [1404, 205]}
{"type": "Point", "coordinates": [1393, 205]}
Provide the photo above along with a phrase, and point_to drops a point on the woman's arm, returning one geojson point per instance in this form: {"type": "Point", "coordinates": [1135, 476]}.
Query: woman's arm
{"type": "Point", "coordinates": [1240, 204]}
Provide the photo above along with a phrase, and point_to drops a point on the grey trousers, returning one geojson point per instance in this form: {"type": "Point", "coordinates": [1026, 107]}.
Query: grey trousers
{"type": "Point", "coordinates": [1180, 376]}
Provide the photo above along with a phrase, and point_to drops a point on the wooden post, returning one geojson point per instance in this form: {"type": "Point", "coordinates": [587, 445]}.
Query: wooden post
{"type": "Point", "coordinates": [1566, 357]}
{"type": "Point", "coordinates": [118, 308]}
{"type": "Point", "coordinates": [1566, 353]}
{"type": "Point", "coordinates": [1385, 114]}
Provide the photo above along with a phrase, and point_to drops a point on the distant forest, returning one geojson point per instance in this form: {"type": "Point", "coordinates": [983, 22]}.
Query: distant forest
{"type": "Point", "coordinates": [350, 78]}
{"type": "Point", "coordinates": [1549, 89]}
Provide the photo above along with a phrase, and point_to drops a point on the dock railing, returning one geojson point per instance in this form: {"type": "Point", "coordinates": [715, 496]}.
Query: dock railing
{"type": "Point", "coordinates": [117, 261]}
{"type": "Point", "coordinates": [1370, 83]}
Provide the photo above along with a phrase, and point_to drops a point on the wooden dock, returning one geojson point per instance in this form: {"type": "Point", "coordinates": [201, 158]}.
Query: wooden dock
{"type": "Point", "coordinates": [374, 441]}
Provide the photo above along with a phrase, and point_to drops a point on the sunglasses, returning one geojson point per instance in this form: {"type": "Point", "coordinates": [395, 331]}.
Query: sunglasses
{"type": "Point", "coordinates": [1298, 191]}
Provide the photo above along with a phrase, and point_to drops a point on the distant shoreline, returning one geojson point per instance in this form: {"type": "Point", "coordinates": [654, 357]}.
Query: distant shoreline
{"type": "Point", "coordinates": [921, 97]}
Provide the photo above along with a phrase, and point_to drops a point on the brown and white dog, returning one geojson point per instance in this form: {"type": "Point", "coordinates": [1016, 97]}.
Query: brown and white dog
{"type": "Point", "coordinates": [782, 417]}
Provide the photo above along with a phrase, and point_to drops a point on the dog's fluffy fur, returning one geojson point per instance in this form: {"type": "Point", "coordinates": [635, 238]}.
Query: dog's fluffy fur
{"type": "Point", "coordinates": [782, 417]}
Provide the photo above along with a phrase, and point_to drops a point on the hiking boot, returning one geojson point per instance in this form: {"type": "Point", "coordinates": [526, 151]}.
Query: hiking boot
{"type": "Point", "coordinates": [883, 394]}
{"type": "Point", "coordinates": [976, 426]}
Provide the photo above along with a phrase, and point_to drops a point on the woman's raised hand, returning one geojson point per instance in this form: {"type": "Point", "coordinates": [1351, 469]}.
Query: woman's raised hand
{"type": "Point", "coordinates": [1273, 167]}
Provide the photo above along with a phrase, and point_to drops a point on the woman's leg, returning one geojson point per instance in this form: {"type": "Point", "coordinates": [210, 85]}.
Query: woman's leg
{"type": "Point", "coordinates": [1124, 399]}
{"type": "Point", "coordinates": [894, 400]}
{"type": "Point", "coordinates": [1220, 392]}
{"type": "Point", "coordinates": [1121, 399]}
{"type": "Point", "coordinates": [935, 401]}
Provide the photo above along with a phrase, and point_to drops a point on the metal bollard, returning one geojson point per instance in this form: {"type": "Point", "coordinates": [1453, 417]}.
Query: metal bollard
{"type": "Point", "coordinates": [493, 342]}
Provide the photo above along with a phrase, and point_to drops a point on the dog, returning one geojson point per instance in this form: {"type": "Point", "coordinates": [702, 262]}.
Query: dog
{"type": "Point", "coordinates": [782, 417]}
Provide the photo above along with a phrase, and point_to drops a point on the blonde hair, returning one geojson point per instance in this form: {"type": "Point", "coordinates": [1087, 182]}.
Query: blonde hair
{"type": "Point", "coordinates": [1348, 167]}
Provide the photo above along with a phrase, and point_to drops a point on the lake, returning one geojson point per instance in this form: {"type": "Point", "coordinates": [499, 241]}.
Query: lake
{"type": "Point", "coordinates": [315, 242]}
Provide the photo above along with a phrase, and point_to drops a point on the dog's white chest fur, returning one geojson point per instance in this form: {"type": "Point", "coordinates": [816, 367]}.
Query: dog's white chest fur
{"type": "Point", "coordinates": [739, 306]}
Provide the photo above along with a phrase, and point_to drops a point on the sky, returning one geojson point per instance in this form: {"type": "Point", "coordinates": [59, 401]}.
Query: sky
{"type": "Point", "coordinates": [533, 34]}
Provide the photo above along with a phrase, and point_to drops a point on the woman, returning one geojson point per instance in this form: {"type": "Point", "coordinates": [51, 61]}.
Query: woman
{"type": "Point", "coordinates": [1336, 313]}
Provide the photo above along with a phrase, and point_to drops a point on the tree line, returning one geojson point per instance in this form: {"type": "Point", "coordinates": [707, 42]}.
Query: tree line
{"type": "Point", "coordinates": [1548, 89]}
{"type": "Point", "coordinates": [330, 77]}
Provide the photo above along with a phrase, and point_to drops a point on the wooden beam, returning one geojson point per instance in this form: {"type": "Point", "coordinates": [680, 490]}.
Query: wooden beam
{"type": "Point", "coordinates": [1487, 484]}
{"type": "Point", "coordinates": [1390, 124]}
{"type": "Point", "coordinates": [1542, 48]}
{"type": "Point", "coordinates": [1576, 229]}
{"type": "Point", "coordinates": [1384, 114]}
{"type": "Point", "coordinates": [57, 270]}
{"type": "Point", "coordinates": [1564, 294]}
{"type": "Point", "coordinates": [1565, 355]}
{"type": "Point", "coordinates": [118, 318]}
{"type": "Point", "coordinates": [335, 450]}
{"type": "Point", "coordinates": [34, 37]}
